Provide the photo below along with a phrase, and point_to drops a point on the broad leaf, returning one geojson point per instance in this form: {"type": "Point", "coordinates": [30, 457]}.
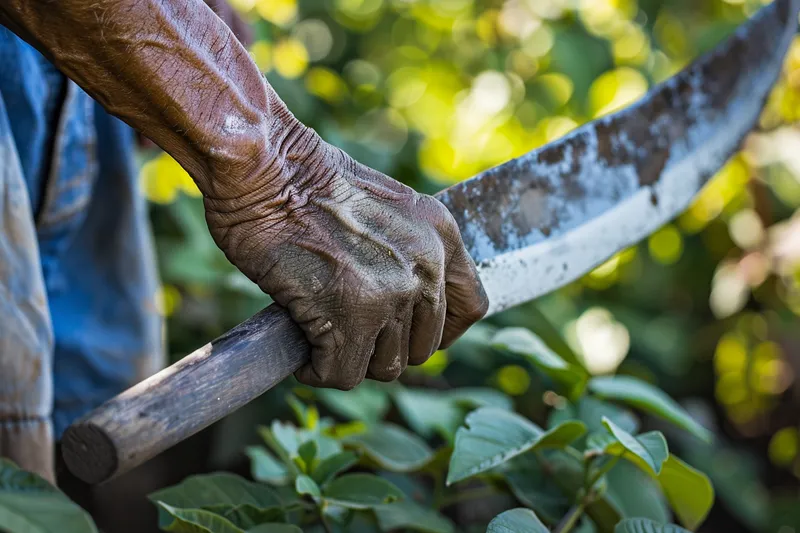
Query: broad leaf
{"type": "Point", "coordinates": [368, 402]}
{"type": "Point", "coordinates": [30, 504]}
{"type": "Point", "coordinates": [534, 488]}
{"type": "Point", "coordinates": [330, 467]}
{"type": "Point", "coordinates": [208, 490]}
{"type": "Point", "coordinates": [264, 467]}
{"type": "Point", "coordinates": [652, 451]}
{"type": "Point", "coordinates": [635, 493]}
{"type": "Point", "coordinates": [308, 454]}
{"type": "Point", "coordinates": [523, 342]}
{"type": "Point", "coordinates": [648, 398]}
{"type": "Point", "coordinates": [392, 447]}
{"type": "Point", "coordinates": [275, 528]}
{"type": "Point", "coordinates": [653, 442]}
{"type": "Point", "coordinates": [591, 412]}
{"type": "Point", "coordinates": [244, 516]}
{"type": "Point", "coordinates": [643, 525]}
{"type": "Point", "coordinates": [305, 485]}
{"type": "Point", "coordinates": [361, 491]}
{"type": "Point", "coordinates": [409, 515]}
{"type": "Point", "coordinates": [688, 491]}
{"type": "Point", "coordinates": [429, 412]}
{"type": "Point", "coordinates": [493, 436]}
{"type": "Point", "coordinates": [286, 439]}
{"type": "Point", "coordinates": [474, 397]}
{"type": "Point", "coordinates": [516, 521]}
{"type": "Point", "coordinates": [195, 521]}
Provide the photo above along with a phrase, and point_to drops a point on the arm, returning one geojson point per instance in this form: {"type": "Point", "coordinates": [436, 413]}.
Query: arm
{"type": "Point", "coordinates": [374, 273]}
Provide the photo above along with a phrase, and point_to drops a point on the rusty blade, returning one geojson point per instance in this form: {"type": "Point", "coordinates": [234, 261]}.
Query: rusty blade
{"type": "Point", "coordinates": [542, 220]}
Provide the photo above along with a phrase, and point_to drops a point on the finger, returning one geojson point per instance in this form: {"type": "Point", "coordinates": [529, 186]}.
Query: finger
{"type": "Point", "coordinates": [426, 328]}
{"type": "Point", "coordinates": [466, 300]}
{"type": "Point", "coordinates": [391, 351]}
{"type": "Point", "coordinates": [338, 360]}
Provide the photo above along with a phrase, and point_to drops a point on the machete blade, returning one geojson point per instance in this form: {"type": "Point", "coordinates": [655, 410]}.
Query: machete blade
{"type": "Point", "coordinates": [540, 221]}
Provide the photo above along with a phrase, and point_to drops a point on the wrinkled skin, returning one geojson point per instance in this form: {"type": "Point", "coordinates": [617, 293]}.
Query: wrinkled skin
{"type": "Point", "coordinates": [375, 273]}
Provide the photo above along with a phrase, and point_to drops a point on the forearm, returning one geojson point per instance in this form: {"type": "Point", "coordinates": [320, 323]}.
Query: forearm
{"type": "Point", "coordinates": [174, 71]}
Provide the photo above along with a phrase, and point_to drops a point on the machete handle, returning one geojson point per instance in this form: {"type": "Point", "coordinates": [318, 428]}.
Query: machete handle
{"type": "Point", "coordinates": [185, 397]}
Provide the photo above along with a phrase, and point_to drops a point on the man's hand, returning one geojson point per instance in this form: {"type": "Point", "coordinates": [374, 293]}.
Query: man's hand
{"type": "Point", "coordinates": [375, 273]}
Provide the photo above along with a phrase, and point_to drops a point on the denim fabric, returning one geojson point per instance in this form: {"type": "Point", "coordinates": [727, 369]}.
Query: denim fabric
{"type": "Point", "coordinates": [91, 248]}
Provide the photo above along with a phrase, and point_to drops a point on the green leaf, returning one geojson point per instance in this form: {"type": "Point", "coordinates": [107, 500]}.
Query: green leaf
{"type": "Point", "coordinates": [688, 491]}
{"type": "Point", "coordinates": [392, 447]}
{"type": "Point", "coordinates": [474, 397]}
{"type": "Point", "coordinates": [207, 490]}
{"type": "Point", "coordinates": [649, 399]}
{"type": "Point", "coordinates": [361, 491]}
{"type": "Point", "coordinates": [516, 521]}
{"type": "Point", "coordinates": [330, 467]}
{"type": "Point", "coordinates": [305, 485]}
{"type": "Point", "coordinates": [308, 453]}
{"type": "Point", "coordinates": [285, 440]}
{"type": "Point", "coordinates": [30, 504]}
{"type": "Point", "coordinates": [275, 528]}
{"type": "Point", "coordinates": [592, 410]}
{"type": "Point", "coordinates": [523, 342]}
{"type": "Point", "coordinates": [368, 402]}
{"type": "Point", "coordinates": [196, 521]}
{"type": "Point", "coordinates": [493, 436]}
{"type": "Point", "coordinates": [246, 515]}
{"type": "Point", "coordinates": [429, 412]}
{"type": "Point", "coordinates": [635, 493]}
{"type": "Point", "coordinates": [643, 525]}
{"type": "Point", "coordinates": [264, 467]}
{"type": "Point", "coordinates": [534, 488]}
{"type": "Point", "coordinates": [653, 450]}
{"type": "Point", "coordinates": [410, 515]}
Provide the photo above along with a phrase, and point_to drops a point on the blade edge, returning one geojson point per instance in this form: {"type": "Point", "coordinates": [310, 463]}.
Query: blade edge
{"type": "Point", "coordinates": [524, 274]}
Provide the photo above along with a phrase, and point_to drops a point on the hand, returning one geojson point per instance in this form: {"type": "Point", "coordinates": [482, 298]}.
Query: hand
{"type": "Point", "coordinates": [373, 272]}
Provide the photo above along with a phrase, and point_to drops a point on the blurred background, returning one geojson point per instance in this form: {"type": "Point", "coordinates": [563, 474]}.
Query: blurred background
{"type": "Point", "coordinates": [432, 92]}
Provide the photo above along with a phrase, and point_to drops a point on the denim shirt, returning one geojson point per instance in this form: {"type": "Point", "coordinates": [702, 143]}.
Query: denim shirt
{"type": "Point", "coordinates": [78, 320]}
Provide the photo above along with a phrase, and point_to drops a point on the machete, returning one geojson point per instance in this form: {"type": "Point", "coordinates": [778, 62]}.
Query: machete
{"type": "Point", "coordinates": [532, 224]}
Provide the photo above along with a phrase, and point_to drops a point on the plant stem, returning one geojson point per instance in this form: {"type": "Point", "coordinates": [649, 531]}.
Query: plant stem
{"type": "Point", "coordinates": [570, 520]}
{"type": "Point", "coordinates": [601, 472]}
{"type": "Point", "coordinates": [325, 523]}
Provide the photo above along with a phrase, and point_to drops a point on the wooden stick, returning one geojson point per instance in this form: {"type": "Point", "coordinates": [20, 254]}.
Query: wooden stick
{"type": "Point", "coordinates": [173, 404]}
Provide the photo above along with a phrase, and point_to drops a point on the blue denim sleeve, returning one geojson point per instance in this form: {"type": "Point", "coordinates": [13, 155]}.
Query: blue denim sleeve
{"type": "Point", "coordinates": [91, 238]}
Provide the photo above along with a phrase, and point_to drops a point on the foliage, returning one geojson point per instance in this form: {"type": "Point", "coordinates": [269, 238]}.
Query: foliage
{"type": "Point", "coordinates": [370, 475]}
{"type": "Point", "coordinates": [554, 412]}
{"type": "Point", "coordinates": [29, 504]}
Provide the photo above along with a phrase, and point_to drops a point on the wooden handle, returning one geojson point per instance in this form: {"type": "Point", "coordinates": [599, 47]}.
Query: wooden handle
{"type": "Point", "coordinates": [186, 397]}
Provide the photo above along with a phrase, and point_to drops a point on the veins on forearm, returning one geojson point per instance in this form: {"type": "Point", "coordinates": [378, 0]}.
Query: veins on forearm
{"type": "Point", "coordinates": [169, 68]}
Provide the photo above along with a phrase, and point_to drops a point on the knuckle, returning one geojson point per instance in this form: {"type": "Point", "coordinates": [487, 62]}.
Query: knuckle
{"type": "Point", "coordinates": [346, 382]}
{"type": "Point", "coordinates": [386, 373]}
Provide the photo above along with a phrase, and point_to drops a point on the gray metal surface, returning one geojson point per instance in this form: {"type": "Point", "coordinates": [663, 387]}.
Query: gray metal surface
{"type": "Point", "coordinates": [542, 220]}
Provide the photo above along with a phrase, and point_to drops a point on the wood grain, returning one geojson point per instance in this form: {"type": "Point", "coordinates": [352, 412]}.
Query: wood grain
{"type": "Point", "coordinates": [186, 397]}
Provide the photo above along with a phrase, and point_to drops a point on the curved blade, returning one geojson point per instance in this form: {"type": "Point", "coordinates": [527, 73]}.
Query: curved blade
{"type": "Point", "coordinates": [542, 220]}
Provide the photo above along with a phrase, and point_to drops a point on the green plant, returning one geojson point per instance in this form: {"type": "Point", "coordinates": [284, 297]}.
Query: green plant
{"type": "Point", "coordinates": [587, 468]}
